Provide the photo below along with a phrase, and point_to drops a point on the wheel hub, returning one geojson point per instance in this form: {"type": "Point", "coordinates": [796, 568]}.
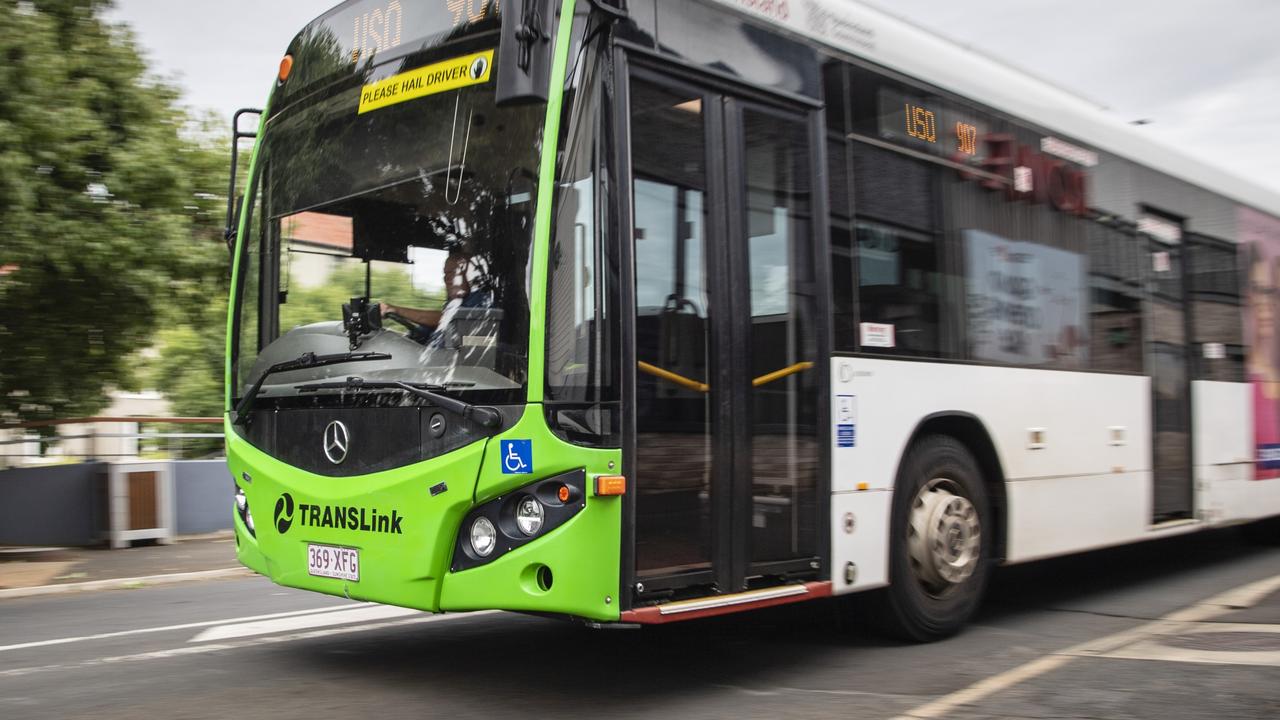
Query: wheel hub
{"type": "Point", "coordinates": [944, 536]}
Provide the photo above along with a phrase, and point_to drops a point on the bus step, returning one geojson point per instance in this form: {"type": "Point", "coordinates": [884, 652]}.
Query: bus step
{"type": "Point", "coordinates": [725, 604]}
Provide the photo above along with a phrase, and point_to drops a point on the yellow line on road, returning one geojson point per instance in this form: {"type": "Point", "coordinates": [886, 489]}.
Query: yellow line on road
{"type": "Point", "coordinates": [1236, 598]}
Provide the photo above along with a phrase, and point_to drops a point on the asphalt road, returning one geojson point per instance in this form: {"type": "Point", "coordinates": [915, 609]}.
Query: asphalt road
{"type": "Point", "coordinates": [1064, 638]}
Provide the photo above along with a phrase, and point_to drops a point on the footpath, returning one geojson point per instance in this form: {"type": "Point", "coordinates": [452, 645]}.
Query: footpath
{"type": "Point", "coordinates": [38, 571]}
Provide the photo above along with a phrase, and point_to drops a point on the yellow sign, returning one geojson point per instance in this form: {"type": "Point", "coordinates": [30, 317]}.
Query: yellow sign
{"type": "Point", "coordinates": [438, 77]}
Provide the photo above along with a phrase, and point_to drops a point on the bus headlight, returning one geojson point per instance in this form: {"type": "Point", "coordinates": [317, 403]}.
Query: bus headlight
{"type": "Point", "coordinates": [484, 536]}
{"type": "Point", "coordinates": [525, 515]}
{"type": "Point", "coordinates": [529, 515]}
{"type": "Point", "coordinates": [242, 509]}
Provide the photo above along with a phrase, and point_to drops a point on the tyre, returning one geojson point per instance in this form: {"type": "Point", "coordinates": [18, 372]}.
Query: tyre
{"type": "Point", "coordinates": [941, 542]}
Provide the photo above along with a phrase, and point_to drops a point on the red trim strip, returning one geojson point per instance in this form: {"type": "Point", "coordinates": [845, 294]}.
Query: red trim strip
{"type": "Point", "coordinates": [653, 615]}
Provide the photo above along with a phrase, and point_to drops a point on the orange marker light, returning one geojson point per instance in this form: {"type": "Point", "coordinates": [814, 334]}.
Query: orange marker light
{"type": "Point", "coordinates": [286, 67]}
{"type": "Point", "coordinates": [863, 486]}
{"type": "Point", "coordinates": [563, 493]}
{"type": "Point", "coordinates": [611, 485]}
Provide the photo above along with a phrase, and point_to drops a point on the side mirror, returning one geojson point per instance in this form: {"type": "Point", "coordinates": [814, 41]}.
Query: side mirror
{"type": "Point", "coordinates": [524, 52]}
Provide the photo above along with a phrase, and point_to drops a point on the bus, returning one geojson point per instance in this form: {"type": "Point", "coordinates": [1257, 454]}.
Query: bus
{"type": "Point", "coordinates": [638, 312]}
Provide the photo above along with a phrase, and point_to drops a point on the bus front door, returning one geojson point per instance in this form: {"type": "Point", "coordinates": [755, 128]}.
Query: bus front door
{"type": "Point", "coordinates": [729, 383]}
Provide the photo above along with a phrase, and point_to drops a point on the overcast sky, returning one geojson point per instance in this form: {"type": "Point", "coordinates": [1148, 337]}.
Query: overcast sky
{"type": "Point", "coordinates": [1205, 72]}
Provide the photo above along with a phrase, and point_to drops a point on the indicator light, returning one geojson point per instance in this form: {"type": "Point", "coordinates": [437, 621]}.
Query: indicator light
{"type": "Point", "coordinates": [286, 67]}
{"type": "Point", "coordinates": [611, 485]}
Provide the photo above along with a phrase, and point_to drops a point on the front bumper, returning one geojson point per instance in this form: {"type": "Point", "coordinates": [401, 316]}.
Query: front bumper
{"type": "Point", "coordinates": [406, 535]}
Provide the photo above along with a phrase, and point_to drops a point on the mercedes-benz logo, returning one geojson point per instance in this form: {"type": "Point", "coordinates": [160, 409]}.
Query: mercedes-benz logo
{"type": "Point", "coordinates": [336, 442]}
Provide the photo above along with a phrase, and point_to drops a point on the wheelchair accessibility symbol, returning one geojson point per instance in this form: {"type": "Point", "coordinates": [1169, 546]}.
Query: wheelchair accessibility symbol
{"type": "Point", "coordinates": [517, 457]}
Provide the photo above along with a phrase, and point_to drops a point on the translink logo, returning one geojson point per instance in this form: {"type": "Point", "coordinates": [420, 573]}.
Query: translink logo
{"type": "Point", "coordinates": [338, 517]}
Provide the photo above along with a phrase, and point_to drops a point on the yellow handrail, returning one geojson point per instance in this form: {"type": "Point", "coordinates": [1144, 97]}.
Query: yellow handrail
{"type": "Point", "coordinates": [691, 384]}
{"type": "Point", "coordinates": [669, 376]}
{"type": "Point", "coordinates": [779, 374]}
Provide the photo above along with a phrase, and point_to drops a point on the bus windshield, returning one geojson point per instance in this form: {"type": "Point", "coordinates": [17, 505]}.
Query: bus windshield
{"type": "Point", "coordinates": [418, 206]}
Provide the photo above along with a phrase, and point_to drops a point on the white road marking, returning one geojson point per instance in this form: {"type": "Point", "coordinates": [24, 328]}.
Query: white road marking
{"type": "Point", "coordinates": [268, 626]}
{"type": "Point", "coordinates": [1154, 649]}
{"type": "Point", "coordinates": [1178, 620]}
{"type": "Point", "coordinates": [233, 645]}
{"type": "Point", "coordinates": [168, 628]}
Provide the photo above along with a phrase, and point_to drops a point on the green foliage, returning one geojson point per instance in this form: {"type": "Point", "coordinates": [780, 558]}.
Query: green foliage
{"type": "Point", "coordinates": [110, 215]}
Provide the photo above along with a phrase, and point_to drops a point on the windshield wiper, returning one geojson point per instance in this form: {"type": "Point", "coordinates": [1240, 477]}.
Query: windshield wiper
{"type": "Point", "coordinates": [486, 416]}
{"type": "Point", "coordinates": [304, 361]}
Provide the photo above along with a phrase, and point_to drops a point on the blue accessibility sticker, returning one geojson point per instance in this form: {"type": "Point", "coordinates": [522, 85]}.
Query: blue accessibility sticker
{"type": "Point", "coordinates": [517, 456]}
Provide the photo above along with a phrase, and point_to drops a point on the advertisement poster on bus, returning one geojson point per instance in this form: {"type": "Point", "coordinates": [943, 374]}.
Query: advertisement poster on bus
{"type": "Point", "coordinates": [1259, 236]}
{"type": "Point", "coordinates": [1026, 302]}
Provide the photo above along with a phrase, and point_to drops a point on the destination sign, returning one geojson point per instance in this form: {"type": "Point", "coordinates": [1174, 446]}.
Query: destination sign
{"type": "Point", "coordinates": [929, 124]}
{"type": "Point", "coordinates": [365, 30]}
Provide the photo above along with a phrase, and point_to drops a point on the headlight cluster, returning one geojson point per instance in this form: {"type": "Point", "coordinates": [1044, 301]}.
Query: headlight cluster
{"type": "Point", "coordinates": [507, 522]}
{"type": "Point", "coordinates": [242, 509]}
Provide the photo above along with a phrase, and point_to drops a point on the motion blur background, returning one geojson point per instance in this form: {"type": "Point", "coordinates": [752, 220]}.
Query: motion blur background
{"type": "Point", "coordinates": [114, 156]}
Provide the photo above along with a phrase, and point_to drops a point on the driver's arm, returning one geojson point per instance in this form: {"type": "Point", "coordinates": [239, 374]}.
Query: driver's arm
{"type": "Point", "coordinates": [429, 318]}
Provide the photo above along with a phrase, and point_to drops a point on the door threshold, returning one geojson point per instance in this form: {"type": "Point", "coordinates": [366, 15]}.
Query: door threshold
{"type": "Point", "coordinates": [1175, 522]}
{"type": "Point", "coordinates": [725, 604]}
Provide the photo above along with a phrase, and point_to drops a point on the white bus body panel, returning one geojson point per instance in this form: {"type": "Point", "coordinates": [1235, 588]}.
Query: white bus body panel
{"type": "Point", "coordinates": [1085, 484]}
{"type": "Point", "coordinates": [1223, 445]}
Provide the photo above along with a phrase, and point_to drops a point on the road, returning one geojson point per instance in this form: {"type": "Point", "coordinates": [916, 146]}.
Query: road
{"type": "Point", "coordinates": [1065, 638]}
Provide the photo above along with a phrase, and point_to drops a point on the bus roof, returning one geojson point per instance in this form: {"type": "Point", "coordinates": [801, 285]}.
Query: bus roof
{"type": "Point", "coordinates": [900, 45]}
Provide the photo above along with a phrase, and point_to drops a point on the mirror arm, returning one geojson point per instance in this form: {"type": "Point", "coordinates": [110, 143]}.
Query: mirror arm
{"type": "Point", "coordinates": [229, 234]}
{"type": "Point", "coordinates": [616, 8]}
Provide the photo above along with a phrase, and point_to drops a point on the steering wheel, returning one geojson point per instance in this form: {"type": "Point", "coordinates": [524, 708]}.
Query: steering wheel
{"type": "Point", "coordinates": [416, 331]}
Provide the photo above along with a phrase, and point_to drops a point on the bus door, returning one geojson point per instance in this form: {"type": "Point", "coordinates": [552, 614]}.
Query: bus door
{"type": "Point", "coordinates": [725, 444]}
{"type": "Point", "coordinates": [1170, 380]}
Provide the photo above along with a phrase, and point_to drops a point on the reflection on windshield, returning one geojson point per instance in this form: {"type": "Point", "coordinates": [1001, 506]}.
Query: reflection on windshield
{"type": "Point", "coordinates": [445, 285]}
{"type": "Point", "coordinates": [423, 212]}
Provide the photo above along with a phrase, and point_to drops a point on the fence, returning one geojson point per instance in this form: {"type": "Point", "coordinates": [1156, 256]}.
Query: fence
{"type": "Point", "coordinates": [71, 504]}
{"type": "Point", "coordinates": [110, 438]}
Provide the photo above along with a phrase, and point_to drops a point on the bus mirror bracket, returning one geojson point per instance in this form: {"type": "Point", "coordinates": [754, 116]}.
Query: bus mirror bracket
{"type": "Point", "coordinates": [524, 52]}
{"type": "Point", "coordinates": [230, 234]}
{"type": "Point", "coordinates": [615, 8]}
{"type": "Point", "coordinates": [234, 200]}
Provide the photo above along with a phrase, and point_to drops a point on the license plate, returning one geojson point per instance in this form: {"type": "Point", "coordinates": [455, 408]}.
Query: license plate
{"type": "Point", "coordinates": [333, 562]}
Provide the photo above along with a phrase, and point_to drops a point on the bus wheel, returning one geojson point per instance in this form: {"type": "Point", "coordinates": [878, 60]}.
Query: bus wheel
{"type": "Point", "coordinates": [941, 542]}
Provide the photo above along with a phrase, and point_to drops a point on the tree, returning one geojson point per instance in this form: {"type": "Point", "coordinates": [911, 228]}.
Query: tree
{"type": "Point", "coordinates": [109, 214]}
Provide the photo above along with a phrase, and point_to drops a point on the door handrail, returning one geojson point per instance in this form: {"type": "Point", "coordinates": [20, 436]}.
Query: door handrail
{"type": "Point", "coordinates": [692, 384]}
{"type": "Point", "coordinates": [676, 378]}
{"type": "Point", "coordinates": [784, 372]}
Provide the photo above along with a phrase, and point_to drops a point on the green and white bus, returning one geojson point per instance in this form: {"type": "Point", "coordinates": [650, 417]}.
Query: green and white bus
{"type": "Point", "coordinates": [647, 310]}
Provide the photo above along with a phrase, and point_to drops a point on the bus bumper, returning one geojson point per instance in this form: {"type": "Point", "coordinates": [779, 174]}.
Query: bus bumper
{"type": "Point", "coordinates": [405, 535]}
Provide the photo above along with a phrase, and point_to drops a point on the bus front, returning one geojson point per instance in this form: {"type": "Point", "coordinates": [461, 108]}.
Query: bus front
{"type": "Point", "coordinates": [384, 426]}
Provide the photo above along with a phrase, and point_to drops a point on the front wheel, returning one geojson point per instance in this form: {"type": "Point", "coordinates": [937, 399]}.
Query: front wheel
{"type": "Point", "coordinates": [940, 544]}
